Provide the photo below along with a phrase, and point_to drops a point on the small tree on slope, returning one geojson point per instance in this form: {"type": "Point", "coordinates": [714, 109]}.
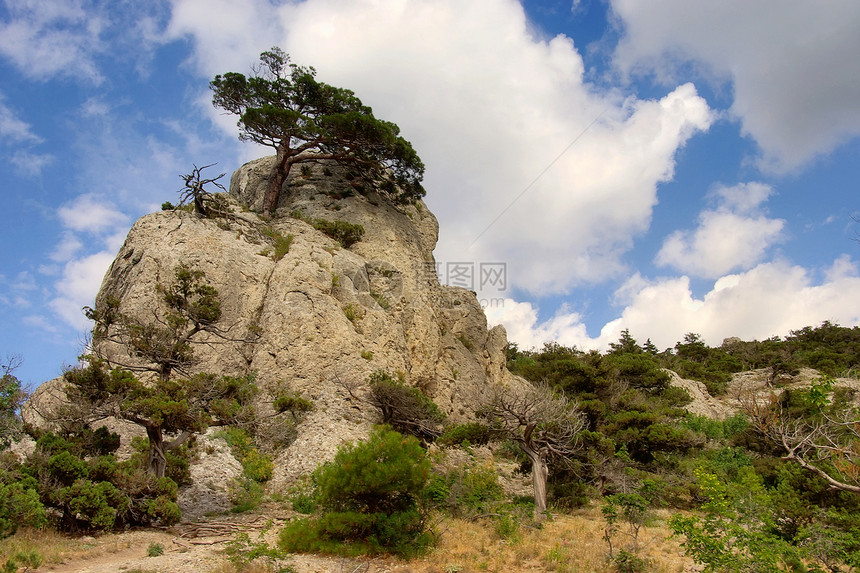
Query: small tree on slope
{"type": "Point", "coordinates": [167, 407]}
{"type": "Point", "coordinates": [545, 425]}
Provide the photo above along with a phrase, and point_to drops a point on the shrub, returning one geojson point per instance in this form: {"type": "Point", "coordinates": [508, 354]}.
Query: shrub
{"type": "Point", "coordinates": [474, 433]}
{"type": "Point", "coordinates": [369, 495]}
{"type": "Point", "coordinates": [30, 560]}
{"type": "Point", "coordinates": [292, 403]}
{"type": "Point", "coordinates": [20, 507]}
{"type": "Point", "coordinates": [92, 505]}
{"type": "Point", "coordinates": [347, 234]}
{"type": "Point", "coordinates": [245, 494]}
{"type": "Point", "coordinates": [99, 493]}
{"type": "Point", "coordinates": [737, 531]}
{"type": "Point", "coordinates": [154, 550]}
{"type": "Point", "coordinates": [243, 551]}
{"type": "Point", "coordinates": [281, 243]}
{"type": "Point", "coordinates": [405, 408]}
{"type": "Point", "coordinates": [466, 491]}
{"type": "Point", "coordinates": [351, 312]}
{"type": "Point", "coordinates": [257, 466]}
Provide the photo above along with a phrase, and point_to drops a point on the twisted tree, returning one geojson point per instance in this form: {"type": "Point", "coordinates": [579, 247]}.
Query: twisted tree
{"type": "Point", "coordinates": [283, 106]}
{"type": "Point", "coordinates": [167, 407]}
{"type": "Point", "coordinates": [165, 344]}
{"type": "Point", "coordinates": [818, 429]}
{"type": "Point", "coordinates": [544, 424]}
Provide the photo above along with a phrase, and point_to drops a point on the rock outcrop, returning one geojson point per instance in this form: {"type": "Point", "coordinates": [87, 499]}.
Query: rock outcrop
{"type": "Point", "coordinates": [321, 314]}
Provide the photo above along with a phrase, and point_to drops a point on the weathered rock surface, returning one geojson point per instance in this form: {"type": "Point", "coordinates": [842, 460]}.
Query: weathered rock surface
{"type": "Point", "coordinates": [322, 314]}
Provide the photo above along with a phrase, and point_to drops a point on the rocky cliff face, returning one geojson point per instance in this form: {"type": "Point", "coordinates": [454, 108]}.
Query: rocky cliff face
{"type": "Point", "coordinates": [322, 313]}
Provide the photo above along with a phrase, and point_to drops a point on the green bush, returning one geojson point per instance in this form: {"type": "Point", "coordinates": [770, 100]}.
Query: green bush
{"type": "Point", "coordinates": [257, 466]}
{"type": "Point", "coordinates": [293, 403]}
{"type": "Point", "coordinates": [405, 408]}
{"type": "Point", "coordinates": [245, 494]}
{"type": "Point", "coordinates": [627, 562]}
{"type": "Point", "coordinates": [281, 242]}
{"type": "Point", "coordinates": [91, 505]}
{"type": "Point", "coordinates": [737, 531]}
{"type": "Point", "coordinates": [474, 433]}
{"type": "Point", "coordinates": [30, 560]}
{"type": "Point", "coordinates": [303, 503]}
{"type": "Point", "coordinates": [369, 495]}
{"type": "Point", "coordinates": [347, 234]}
{"type": "Point", "coordinates": [20, 507]}
{"type": "Point", "coordinates": [98, 493]}
{"type": "Point", "coordinates": [466, 491]}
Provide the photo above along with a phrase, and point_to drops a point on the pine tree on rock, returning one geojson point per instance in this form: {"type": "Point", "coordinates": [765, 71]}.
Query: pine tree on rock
{"type": "Point", "coordinates": [283, 106]}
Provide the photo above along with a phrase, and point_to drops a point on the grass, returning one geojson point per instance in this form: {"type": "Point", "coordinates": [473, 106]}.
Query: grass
{"type": "Point", "coordinates": [380, 300]}
{"type": "Point", "coordinates": [565, 544]}
{"type": "Point", "coordinates": [281, 243]}
{"type": "Point", "coordinates": [352, 312]}
{"type": "Point", "coordinates": [53, 547]}
{"type": "Point", "coordinates": [57, 549]}
{"type": "Point", "coordinates": [466, 342]}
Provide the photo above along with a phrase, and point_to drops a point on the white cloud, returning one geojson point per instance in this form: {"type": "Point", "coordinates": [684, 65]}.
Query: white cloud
{"type": "Point", "coordinates": [77, 286]}
{"type": "Point", "coordinates": [52, 37]}
{"type": "Point", "coordinates": [769, 299]}
{"type": "Point", "coordinates": [91, 214]}
{"type": "Point", "coordinates": [488, 106]}
{"type": "Point", "coordinates": [18, 291]}
{"type": "Point", "coordinates": [229, 34]}
{"type": "Point", "coordinates": [734, 235]}
{"type": "Point", "coordinates": [14, 129]}
{"type": "Point", "coordinates": [520, 320]}
{"type": "Point", "coordinates": [66, 248]}
{"type": "Point", "coordinates": [30, 164]}
{"type": "Point", "coordinates": [793, 65]}
{"type": "Point", "coordinates": [40, 322]}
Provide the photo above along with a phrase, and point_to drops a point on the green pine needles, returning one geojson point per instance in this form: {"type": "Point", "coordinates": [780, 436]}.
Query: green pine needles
{"type": "Point", "coordinates": [369, 495]}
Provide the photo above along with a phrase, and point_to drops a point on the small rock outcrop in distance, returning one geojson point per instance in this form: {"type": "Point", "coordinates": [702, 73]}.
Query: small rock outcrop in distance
{"type": "Point", "coordinates": [320, 314]}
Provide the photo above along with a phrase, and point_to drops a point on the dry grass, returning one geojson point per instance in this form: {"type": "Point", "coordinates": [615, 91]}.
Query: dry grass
{"type": "Point", "coordinates": [571, 543]}
{"type": "Point", "coordinates": [53, 547]}
{"type": "Point", "coordinates": [565, 544]}
{"type": "Point", "coordinates": [57, 549]}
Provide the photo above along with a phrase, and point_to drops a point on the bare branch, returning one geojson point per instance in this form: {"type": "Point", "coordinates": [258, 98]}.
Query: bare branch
{"type": "Point", "coordinates": [826, 443]}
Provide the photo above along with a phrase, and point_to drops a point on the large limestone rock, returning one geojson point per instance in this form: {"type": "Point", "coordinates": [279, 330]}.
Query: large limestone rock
{"type": "Point", "coordinates": [322, 314]}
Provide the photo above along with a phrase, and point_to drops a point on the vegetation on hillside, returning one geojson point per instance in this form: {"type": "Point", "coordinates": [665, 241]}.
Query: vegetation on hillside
{"type": "Point", "coordinates": [773, 488]}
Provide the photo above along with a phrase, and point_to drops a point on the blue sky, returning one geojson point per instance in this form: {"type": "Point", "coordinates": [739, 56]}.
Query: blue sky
{"type": "Point", "coordinates": [664, 166]}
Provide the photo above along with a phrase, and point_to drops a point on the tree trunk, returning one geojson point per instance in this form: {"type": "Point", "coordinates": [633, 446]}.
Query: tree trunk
{"type": "Point", "coordinates": [540, 472]}
{"type": "Point", "coordinates": [276, 179]}
{"type": "Point", "coordinates": [157, 458]}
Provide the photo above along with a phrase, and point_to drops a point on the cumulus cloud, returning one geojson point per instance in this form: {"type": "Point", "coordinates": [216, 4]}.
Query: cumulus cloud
{"type": "Point", "coordinates": [792, 65]}
{"type": "Point", "coordinates": [91, 214]}
{"type": "Point", "coordinates": [68, 245]}
{"type": "Point", "coordinates": [489, 106]}
{"type": "Point", "coordinates": [521, 322]}
{"type": "Point", "coordinates": [769, 299]}
{"type": "Point", "coordinates": [77, 286]}
{"type": "Point", "coordinates": [735, 235]}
